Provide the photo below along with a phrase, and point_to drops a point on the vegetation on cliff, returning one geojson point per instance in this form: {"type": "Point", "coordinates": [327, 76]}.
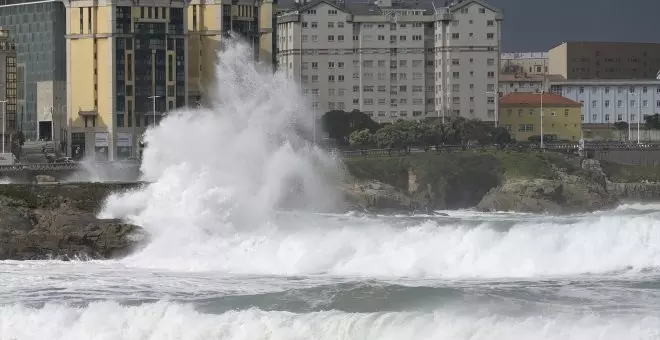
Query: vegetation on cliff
{"type": "Point", "coordinates": [462, 179]}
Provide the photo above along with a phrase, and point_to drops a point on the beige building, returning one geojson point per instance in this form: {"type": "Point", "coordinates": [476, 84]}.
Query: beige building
{"type": "Point", "coordinates": [605, 60]}
{"type": "Point", "coordinates": [524, 63]}
{"type": "Point", "coordinates": [8, 90]}
{"type": "Point", "coordinates": [126, 67]}
{"type": "Point", "coordinates": [394, 59]}
{"type": "Point", "coordinates": [209, 21]}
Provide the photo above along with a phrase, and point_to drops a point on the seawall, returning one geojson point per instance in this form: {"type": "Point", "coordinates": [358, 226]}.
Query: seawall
{"type": "Point", "coordinates": [635, 191]}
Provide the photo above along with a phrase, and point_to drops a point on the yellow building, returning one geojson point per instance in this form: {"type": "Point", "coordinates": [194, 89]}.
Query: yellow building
{"type": "Point", "coordinates": [124, 58]}
{"type": "Point", "coordinates": [209, 21]}
{"type": "Point", "coordinates": [520, 113]}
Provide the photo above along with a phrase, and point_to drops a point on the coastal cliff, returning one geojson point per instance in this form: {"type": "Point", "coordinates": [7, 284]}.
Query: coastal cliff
{"type": "Point", "coordinates": [490, 181]}
{"type": "Point", "coordinates": [59, 221]}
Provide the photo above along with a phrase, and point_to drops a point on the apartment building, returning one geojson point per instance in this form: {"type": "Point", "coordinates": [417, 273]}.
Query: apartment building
{"type": "Point", "coordinates": [394, 59]}
{"type": "Point", "coordinates": [210, 21]}
{"type": "Point", "coordinates": [610, 101]}
{"type": "Point", "coordinates": [605, 60]}
{"type": "Point", "coordinates": [525, 63]}
{"type": "Point", "coordinates": [8, 89]}
{"type": "Point", "coordinates": [38, 28]}
{"type": "Point", "coordinates": [126, 67]}
{"type": "Point", "coordinates": [520, 113]}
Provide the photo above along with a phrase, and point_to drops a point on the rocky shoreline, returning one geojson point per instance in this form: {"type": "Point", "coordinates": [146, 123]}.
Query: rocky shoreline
{"type": "Point", "coordinates": [48, 220]}
{"type": "Point", "coordinates": [58, 221]}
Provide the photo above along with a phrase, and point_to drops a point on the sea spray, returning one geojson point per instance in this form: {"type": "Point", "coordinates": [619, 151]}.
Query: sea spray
{"type": "Point", "coordinates": [225, 169]}
{"type": "Point", "coordinates": [220, 177]}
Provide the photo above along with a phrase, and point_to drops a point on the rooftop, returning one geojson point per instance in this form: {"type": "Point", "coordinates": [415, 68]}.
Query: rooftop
{"type": "Point", "coordinates": [375, 8]}
{"type": "Point", "coordinates": [508, 77]}
{"type": "Point", "coordinates": [525, 55]}
{"type": "Point", "coordinates": [534, 99]}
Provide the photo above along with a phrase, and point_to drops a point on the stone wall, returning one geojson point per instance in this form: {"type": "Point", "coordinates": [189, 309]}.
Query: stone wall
{"type": "Point", "coordinates": [635, 191]}
{"type": "Point", "coordinates": [626, 191]}
{"type": "Point", "coordinates": [631, 157]}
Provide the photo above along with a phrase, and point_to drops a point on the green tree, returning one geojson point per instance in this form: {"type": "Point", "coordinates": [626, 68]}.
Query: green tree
{"type": "Point", "coordinates": [361, 138]}
{"type": "Point", "coordinates": [652, 122]}
{"type": "Point", "coordinates": [389, 137]}
{"type": "Point", "coordinates": [501, 137]}
{"type": "Point", "coordinates": [621, 125]}
{"type": "Point", "coordinates": [340, 124]}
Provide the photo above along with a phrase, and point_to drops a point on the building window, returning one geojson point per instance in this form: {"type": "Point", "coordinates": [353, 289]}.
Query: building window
{"type": "Point", "coordinates": [490, 36]}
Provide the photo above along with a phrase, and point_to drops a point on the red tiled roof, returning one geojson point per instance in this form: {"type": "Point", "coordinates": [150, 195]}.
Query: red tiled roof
{"type": "Point", "coordinates": [528, 98]}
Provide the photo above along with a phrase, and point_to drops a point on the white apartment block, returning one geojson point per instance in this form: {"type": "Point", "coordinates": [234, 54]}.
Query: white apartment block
{"type": "Point", "coordinates": [610, 101]}
{"type": "Point", "coordinates": [394, 60]}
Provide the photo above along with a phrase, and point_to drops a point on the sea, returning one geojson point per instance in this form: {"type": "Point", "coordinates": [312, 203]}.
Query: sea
{"type": "Point", "coordinates": [244, 244]}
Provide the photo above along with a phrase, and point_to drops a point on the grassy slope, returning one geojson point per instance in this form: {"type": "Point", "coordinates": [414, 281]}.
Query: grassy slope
{"type": "Point", "coordinates": [456, 179]}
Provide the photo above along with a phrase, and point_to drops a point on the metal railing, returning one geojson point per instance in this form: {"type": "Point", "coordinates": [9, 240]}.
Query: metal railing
{"type": "Point", "coordinates": [568, 147]}
{"type": "Point", "coordinates": [59, 166]}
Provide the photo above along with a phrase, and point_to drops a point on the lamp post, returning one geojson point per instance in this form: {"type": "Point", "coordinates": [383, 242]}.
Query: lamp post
{"type": "Point", "coordinates": [154, 107]}
{"type": "Point", "coordinates": [52, 127]}
{"type": "Point", "coordinates": [497, 106]}
{"type": "Point", "coordinates": [314, 104]}
{"type": "Point", "coordinates": [4, 122]}
{"type": "Point", "coordinates": [639, 115]}
{"type": "Point", "coordinates": [542, 94]}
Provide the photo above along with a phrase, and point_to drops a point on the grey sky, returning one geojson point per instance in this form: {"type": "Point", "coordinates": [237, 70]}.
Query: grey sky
{"type": "Point", "coordinates": [538, 25]}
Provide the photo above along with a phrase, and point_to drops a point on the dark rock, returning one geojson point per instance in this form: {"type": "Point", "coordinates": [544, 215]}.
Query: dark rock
{"type": "Point", "coordinates": [568, 194]}
{"type": "Point", "coordinates": [376, 196]}
{"type": "Point", "coordinates": [59, 221]}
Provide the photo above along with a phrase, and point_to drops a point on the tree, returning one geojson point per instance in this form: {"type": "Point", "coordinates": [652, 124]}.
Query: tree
{"type": "Point", "coordinates": [361, 138]}
{"type": "Point", "coordinates": [652, 122]}
{"type": "Point", "coordinates": [340, 124]}
{"type": "Point", "coordinates": [389, 137]}
{"type": "Point", "coordinates": [621, 125]}
{"type": "Point", "coordinates": [501, 137]}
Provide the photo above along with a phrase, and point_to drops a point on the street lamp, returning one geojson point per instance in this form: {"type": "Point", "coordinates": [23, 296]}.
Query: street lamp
{"type": "Point", "coordinates": [314, 104]}
{"type": "Point", "coordinates": [497, 106]}
{"type": "Point", "coordinates": [52, 127]}
{"type": "Point", "coordinates": [154, 106]}
{"type": "Point", "coordinates": [639, 114]}
{"type": "Point", "coordinates": [542, 94]}
{"type": "Point", "coordinates": [4, 122]}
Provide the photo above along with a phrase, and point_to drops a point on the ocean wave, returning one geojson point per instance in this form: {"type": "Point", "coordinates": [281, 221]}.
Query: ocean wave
{"type": "Point", "coordinates": [371, 247]}
{"type": "Point", "coordinates": [165, 320]}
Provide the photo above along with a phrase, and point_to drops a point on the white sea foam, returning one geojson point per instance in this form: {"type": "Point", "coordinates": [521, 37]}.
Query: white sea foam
{"type": "Point", "coordinates": [219, 174]}
{"type": "Point", "coordinates": [165, 320]}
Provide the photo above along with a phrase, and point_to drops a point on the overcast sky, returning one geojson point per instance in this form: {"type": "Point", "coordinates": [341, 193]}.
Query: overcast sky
{"type": "Point", "coordinates": [539, 25]}
{"type": "Point", "coordinates": [532, 25]}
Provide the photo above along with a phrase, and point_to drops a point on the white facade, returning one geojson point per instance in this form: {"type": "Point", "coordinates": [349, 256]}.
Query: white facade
{"type": "Point", "coordinates": [611, 101]}
{"type": "Point", "coordinates": [394, 63]}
